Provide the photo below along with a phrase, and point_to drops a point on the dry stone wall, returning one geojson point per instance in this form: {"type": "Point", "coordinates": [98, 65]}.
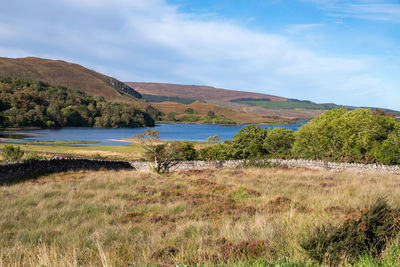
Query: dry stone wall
{"type": "Point", "coordinates": [31, 168]}
{"type": "Point", "coordinates": [290, 163]}
{"type": "Point", "coordinates": [13, 172]}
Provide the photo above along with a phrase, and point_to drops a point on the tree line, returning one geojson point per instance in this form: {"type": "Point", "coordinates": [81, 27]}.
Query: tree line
{"type": "Point", "coordinates": [337, 135]}
{"type": "Point", "coordinates": [28, 103]}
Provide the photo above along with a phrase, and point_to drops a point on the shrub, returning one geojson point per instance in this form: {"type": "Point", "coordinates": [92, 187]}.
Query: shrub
{"type": "Point", "coordinates": [219, 151]}
{"type": "Point", "coordinates": [248, 143]}
{"type": "Point", "coordinates": [352, 135]}
{"type": "Point", "coordinates": [33, 156]}
{"type": "Point", "coordinates": [279, 142]}
{"type": "Point", "coordinates": [12, 153]}
{"type": "Point", "coordinates": [368, 231]}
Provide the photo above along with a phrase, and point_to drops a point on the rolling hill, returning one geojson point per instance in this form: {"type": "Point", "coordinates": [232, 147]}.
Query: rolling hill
{"type": "Point", "coordinates": [197, 92]}
{"type": "Point", "coordinates": [62, 73]}
{"type": "Point", "coordinates": [253, 104]}
{"type": "Point", "coordinates": [256, 104]}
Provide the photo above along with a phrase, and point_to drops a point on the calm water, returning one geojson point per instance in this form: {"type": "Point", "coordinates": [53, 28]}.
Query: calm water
{"type": "Point", "coordinates": [176, 132]}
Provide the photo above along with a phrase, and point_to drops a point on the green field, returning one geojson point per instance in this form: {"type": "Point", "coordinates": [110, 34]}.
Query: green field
{"type": "Point", "coordinates": [160, 98]}
{"type": "Point", "coordinates": [286, 104]}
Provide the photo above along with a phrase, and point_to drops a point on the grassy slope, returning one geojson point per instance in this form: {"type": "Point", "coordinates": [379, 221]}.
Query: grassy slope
{"type": "Point", "coordinates": [58, 72]}
{"type": "Point", "coordinates": [144, 219]}
{"type": "Point", "coordinates": [196, 92]}
{"type": "Point", "coordinates": [234, 115]}
{"type": "Point", "coordinates": [288, 104]}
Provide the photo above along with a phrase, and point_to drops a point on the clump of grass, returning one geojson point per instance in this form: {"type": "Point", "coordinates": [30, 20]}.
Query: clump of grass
{"type": "Point", "coordinates": [368, 231]}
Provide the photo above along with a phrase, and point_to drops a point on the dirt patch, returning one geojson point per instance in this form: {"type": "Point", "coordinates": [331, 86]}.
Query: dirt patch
{"type": "Point", "coordinates": [303, 209]}
{"type": "Point", "coordinates": [334, 209]}
{"type": "Point", "coordinates": [132, 217]}
{"type": "Point", "coordinates": [227, 250]}
{"type": "Point", "coordinates": [166, 252]}
{"type": "Point", "coordinates": [248, 210]}
{"type": "Point", "coordinates": [323, 185]}
{"type": "Point", "coordinates": [277, 205]}
{"type": "Point", "coordinates": [242, 250]}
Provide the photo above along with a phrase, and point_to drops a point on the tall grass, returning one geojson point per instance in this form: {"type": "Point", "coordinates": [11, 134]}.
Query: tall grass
{"type": "Point", "coordinates": [243, 217]}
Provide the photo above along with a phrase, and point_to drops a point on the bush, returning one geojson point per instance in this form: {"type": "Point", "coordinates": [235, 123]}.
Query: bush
{"type": "Point", "coordinates": [368, 231]}
{"type": "Point", "coordinates": [341, 134]}
{"type": "Point", "coordinates": [12, 153]}
{"type": "Point", "coordinates": [279, 142]}
{"type": "Point", "coordinates": [248, 143]}
{"type": "Point", "coordinates": [33, 156]}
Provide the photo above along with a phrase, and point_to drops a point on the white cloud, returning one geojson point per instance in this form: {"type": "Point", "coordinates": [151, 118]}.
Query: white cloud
{"type": "Point", "coordinates": [151, 41]}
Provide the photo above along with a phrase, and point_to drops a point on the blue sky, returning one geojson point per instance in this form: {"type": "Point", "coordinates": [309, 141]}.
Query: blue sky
{"type": "Point", "coordinates": [346, 52]}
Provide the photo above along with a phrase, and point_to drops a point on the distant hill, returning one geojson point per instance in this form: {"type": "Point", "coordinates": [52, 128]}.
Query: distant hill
{"type": "Point", "coordinates": [256, 104]}
{"type": "Point", "coordinates": [197, 92]}
{"type": "Point", "coordinates": [61, 73]}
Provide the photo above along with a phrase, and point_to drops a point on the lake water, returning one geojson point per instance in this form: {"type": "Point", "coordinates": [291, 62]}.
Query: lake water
{"type": "Point", "coordinates": [175, 132]}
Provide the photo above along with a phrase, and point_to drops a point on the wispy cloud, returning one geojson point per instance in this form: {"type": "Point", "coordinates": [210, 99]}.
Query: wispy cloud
{"type": "Point", "coordinates": [362, 9]}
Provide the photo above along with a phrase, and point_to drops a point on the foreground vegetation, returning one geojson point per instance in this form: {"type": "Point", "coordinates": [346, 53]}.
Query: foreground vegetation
{"type": "Point", "coordinates": [242, 217]}
{"type": "Point", "coordinates": [337, 135]}
{"type": "Point", "coordinates": [26, 103]}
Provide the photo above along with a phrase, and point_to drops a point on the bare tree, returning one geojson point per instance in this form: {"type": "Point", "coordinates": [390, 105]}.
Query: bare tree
{"type": "Point", "coordinates": [165, 156]}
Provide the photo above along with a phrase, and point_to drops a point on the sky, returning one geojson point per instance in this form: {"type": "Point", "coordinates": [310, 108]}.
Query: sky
{"type": "Point", "coordinates": [340, 51]}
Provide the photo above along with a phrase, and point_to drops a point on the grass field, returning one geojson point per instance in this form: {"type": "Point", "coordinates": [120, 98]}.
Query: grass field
{"type": "Point", "coordinates": [122, 152]}
{"type": "Point", "coordinates": [241, 217]}
{"type": "Point", "coordinates": [287, 104]}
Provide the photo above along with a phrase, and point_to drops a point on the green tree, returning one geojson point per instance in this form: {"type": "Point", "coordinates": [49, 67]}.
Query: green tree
{"type": "Point", "coordinates": [352, 135]}
{"type": "Point", "coordinates": [279, 142]}
{"type": "Point", "coordinates": [248, 143]}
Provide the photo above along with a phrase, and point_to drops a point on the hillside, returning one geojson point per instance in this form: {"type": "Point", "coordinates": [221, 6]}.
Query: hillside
{"type": "Point", "coordinates": [61, 73]}
{"type": "Point", "coordinates": [197, 92]}
{"type": "Point", "coordinates": [199, 112]}
{"type": "Point", "coordinates": [253, 104]}
{"type": "Point", "coordinates": [29, 103]}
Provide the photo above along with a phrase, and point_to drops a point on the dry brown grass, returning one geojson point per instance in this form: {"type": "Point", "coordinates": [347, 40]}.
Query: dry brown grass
{"type": "Point", "coordinates": [145, 219]}
{"type": "Point", "coordinates": [58, 72]}
{"type": "Point", "coordinates": [197, 92]}
{"type": "Point", "coordinates": [237, 116]}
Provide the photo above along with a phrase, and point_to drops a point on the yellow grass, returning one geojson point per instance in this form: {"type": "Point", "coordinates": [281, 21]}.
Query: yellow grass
{"type": "Point", "coordinates": [145, 219]}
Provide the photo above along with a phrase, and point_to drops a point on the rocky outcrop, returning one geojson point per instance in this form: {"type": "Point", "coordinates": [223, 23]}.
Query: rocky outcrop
{"type": "Point", "coordinates": [122, 88]}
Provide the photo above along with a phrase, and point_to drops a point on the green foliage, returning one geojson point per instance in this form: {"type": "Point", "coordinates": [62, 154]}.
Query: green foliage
{"type": "Point", "coordinates": [34, 103]}
{"type": "Point", "coordinates": [350, 135]}
{"type": "Point", "coordinates": [12, 154]}
{"type": "Point", "coordinates": [213, 139]}
{"type": "Point", "coordinates": [389, 151]}
{"type": "Point", "coordinates": [165, 155]}
{"type": "Point", "coordinates": [368, 231]}
{"type": "Point", "coordinates": [160, 98]}
{"type": "Point", "coordinates": [279, 142]}
{"type": "Point", "coordinates": [219, 151]}
{"type": "Point", "coordinates": [33, 156]}
{"type": "Point", "coordinates": [188, 150]}
{"type": "Point", "coordinates": [190, 111]}
{"type": "Point", "coordinates": [248, 143]}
